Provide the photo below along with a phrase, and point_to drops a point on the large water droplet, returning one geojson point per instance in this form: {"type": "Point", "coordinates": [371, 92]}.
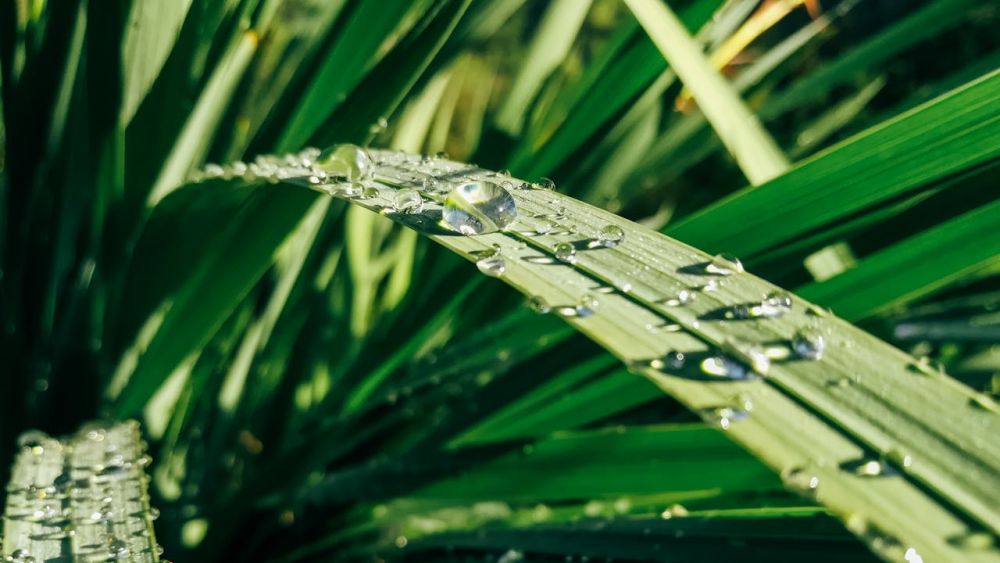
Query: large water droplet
{"type": "Point", "coordinates": [348, 162]}
{"type": "Point", "coordinates": [724, 265]}
{"type": "Point", "coordinates": [808, 343]}
{"type": "Point", "coordinates": [566, 252]}
{"type": "Point", "coordinates": [407, 200]}
{"type": "Point", "coordinates": [493, 266]}
{"type": "Point", "coordinates": [479, 207]}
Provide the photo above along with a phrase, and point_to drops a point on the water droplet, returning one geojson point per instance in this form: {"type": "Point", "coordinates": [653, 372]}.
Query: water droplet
{"type": "Point", "coordinates": [724, 265]}
{"type": "Point", "coordinates": [868, 468]}
{"type": "Point", "coordinates": [348, 162]}
{"type": "Point", "coordinates": [809, 344]}
{"type": "Point", "coordinates": [587, 305]}
{"type": "Point", "coordinates": [912, 556]}
{"type": "Point", "coordinates": [683, 297]}
{"type": "Point", "coordinates": [800, 480]}
{"type": "Point", "coordinates": [118, 549]}
{"type": "Point", "coordinates": [724, 417]}
{"type": "Point", "coordinates": [776, 304]}
{"type": "Point", "coordinates": [757, 358]}
{"type": "Point", "coordinates": [722, 366]}
{"type": "Point", "coordinates": [899, 458]}
{"type": "Point", "coordinates": [674, 511]}
{"type": "Point", "coordinates": [546, 184]}
{"type": "Point", "coordinates": [544, 226]}
{"type": "Point", "coordinates": [33, 440]}
{"type": "Point", "coordinates": [674, 360]}
{"type": "Point", "coordinates": [371, 192]}
{"type": "Point", "coordinates": [566, 252]}
{"type": "Point", "coordinates": [493, 266]}
{"type": "Point", "coordinates": [479, 207]}
{"type": "Point", "coordinates": [154, 513]}
{"type": "Point", "coordinates": [539, 305]}
{"type": "Point", "coordinates": [21, 556]}
{"type": "Point", "coordinates": [407, 200]}
{"type": "Point", "coordinates": [610, 235]}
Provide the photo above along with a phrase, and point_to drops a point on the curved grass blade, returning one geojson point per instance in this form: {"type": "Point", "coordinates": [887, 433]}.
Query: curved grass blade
{"type": "Point", "coordinates": [880, 439]}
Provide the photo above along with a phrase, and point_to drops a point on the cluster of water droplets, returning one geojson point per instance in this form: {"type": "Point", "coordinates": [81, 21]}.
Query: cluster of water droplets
{"type": "Point", "coordinates": [91, 489]}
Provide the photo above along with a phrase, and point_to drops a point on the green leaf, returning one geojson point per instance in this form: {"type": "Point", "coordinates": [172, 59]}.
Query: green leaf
{"type": "Point", "coordinates": [739, 130]}
{"type": "Point", "coordinates": [152, 30]}
{"type": "Point", "coordinates": [932, 259]}
{"type": "Point", "coordinates": [810, 419]}
{"type": "Point", "coordinates": [927, 144]}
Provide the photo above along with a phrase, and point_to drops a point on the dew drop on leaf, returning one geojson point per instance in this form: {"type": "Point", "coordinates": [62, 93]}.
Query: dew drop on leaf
{"type": "Point", "coordinates": [475, 208]}
{"type": "Point", "coordinates": [539, 305]}
{"type": "Point", "coordinates": [547, 184]}
{"type": "Point", "coordinates": [724, 265]}
{"type": "Point", "coordinates": [493, 266]}
{"type": "Point", "coordinates": [724, 367]}
{"type": "Point", "coordinates": [587, 305]}
{"type": "Point", "coordinates": [407, 200]}
{"type": "Point", "coordinates": [775, 304]}
{"type": "Point", "coordinates": [349, 162]}
{"type": "Point", "coordinates": [809, 344]}
{"type": "Point", "coordinates": [566, 252]}
{"type": "Point", "coordinates": [610, 235]}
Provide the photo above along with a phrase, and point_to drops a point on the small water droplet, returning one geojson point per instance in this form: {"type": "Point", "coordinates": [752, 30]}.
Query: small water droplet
{"type": "Point", "coordinates": [683, 297]}
{"type": "Point", "coordinates": [809, 344]}
{"type": "Point", "coordinates": [407, 200]}
{"type": "Point", "coordinates": [724, 367]}
{"type": "Point", "coordinates": [479, 207]}
{"type": "Point", "coordinates": [674, 511]}
{"type": "Point", "coordinates": [610, 235]}
{"type": "Point", "coordinates": [493, 266]}
{"type": "Point", "coordinates": [21, 556]}
{"type": "Point", "coordinates": [349, 162]}
{"type": "Point", "coordinates": [674, 360]}
{"type": "Point", "coordinates": [724, 417]}
{"type": "Point", "coordinates": [539, 305]}
{"type": "Point", "coordinates": [724, 265]}
{"type": "Point", "coordinates": [371, 192]}
{"type": "Point", "coordinates": [912, 556]}
{"type": "Point", "coordinates": [566, 252]}
{"type": "Point", "coordinates": [587, 305]}
{"type": "Point", "coordinates": [546, 184]}
{"type": "Point", "coordinates": [800, 480]}
{"type": "Point", "coordinates": [33, 440]}
{"type": "Point", "coordinates": [118, 549]}
{"type": "Point", "coordinates": [544, 226]}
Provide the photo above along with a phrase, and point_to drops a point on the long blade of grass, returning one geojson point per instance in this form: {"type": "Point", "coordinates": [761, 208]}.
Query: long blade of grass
{"type": "Point", "coordinates": [739, 130]}
{"type": "Point", "coordinates": [150, 34]}
{"type": "Point", "coordinates": [549, 46]}
{"type": "Point", "coordinates": [816, 422]}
